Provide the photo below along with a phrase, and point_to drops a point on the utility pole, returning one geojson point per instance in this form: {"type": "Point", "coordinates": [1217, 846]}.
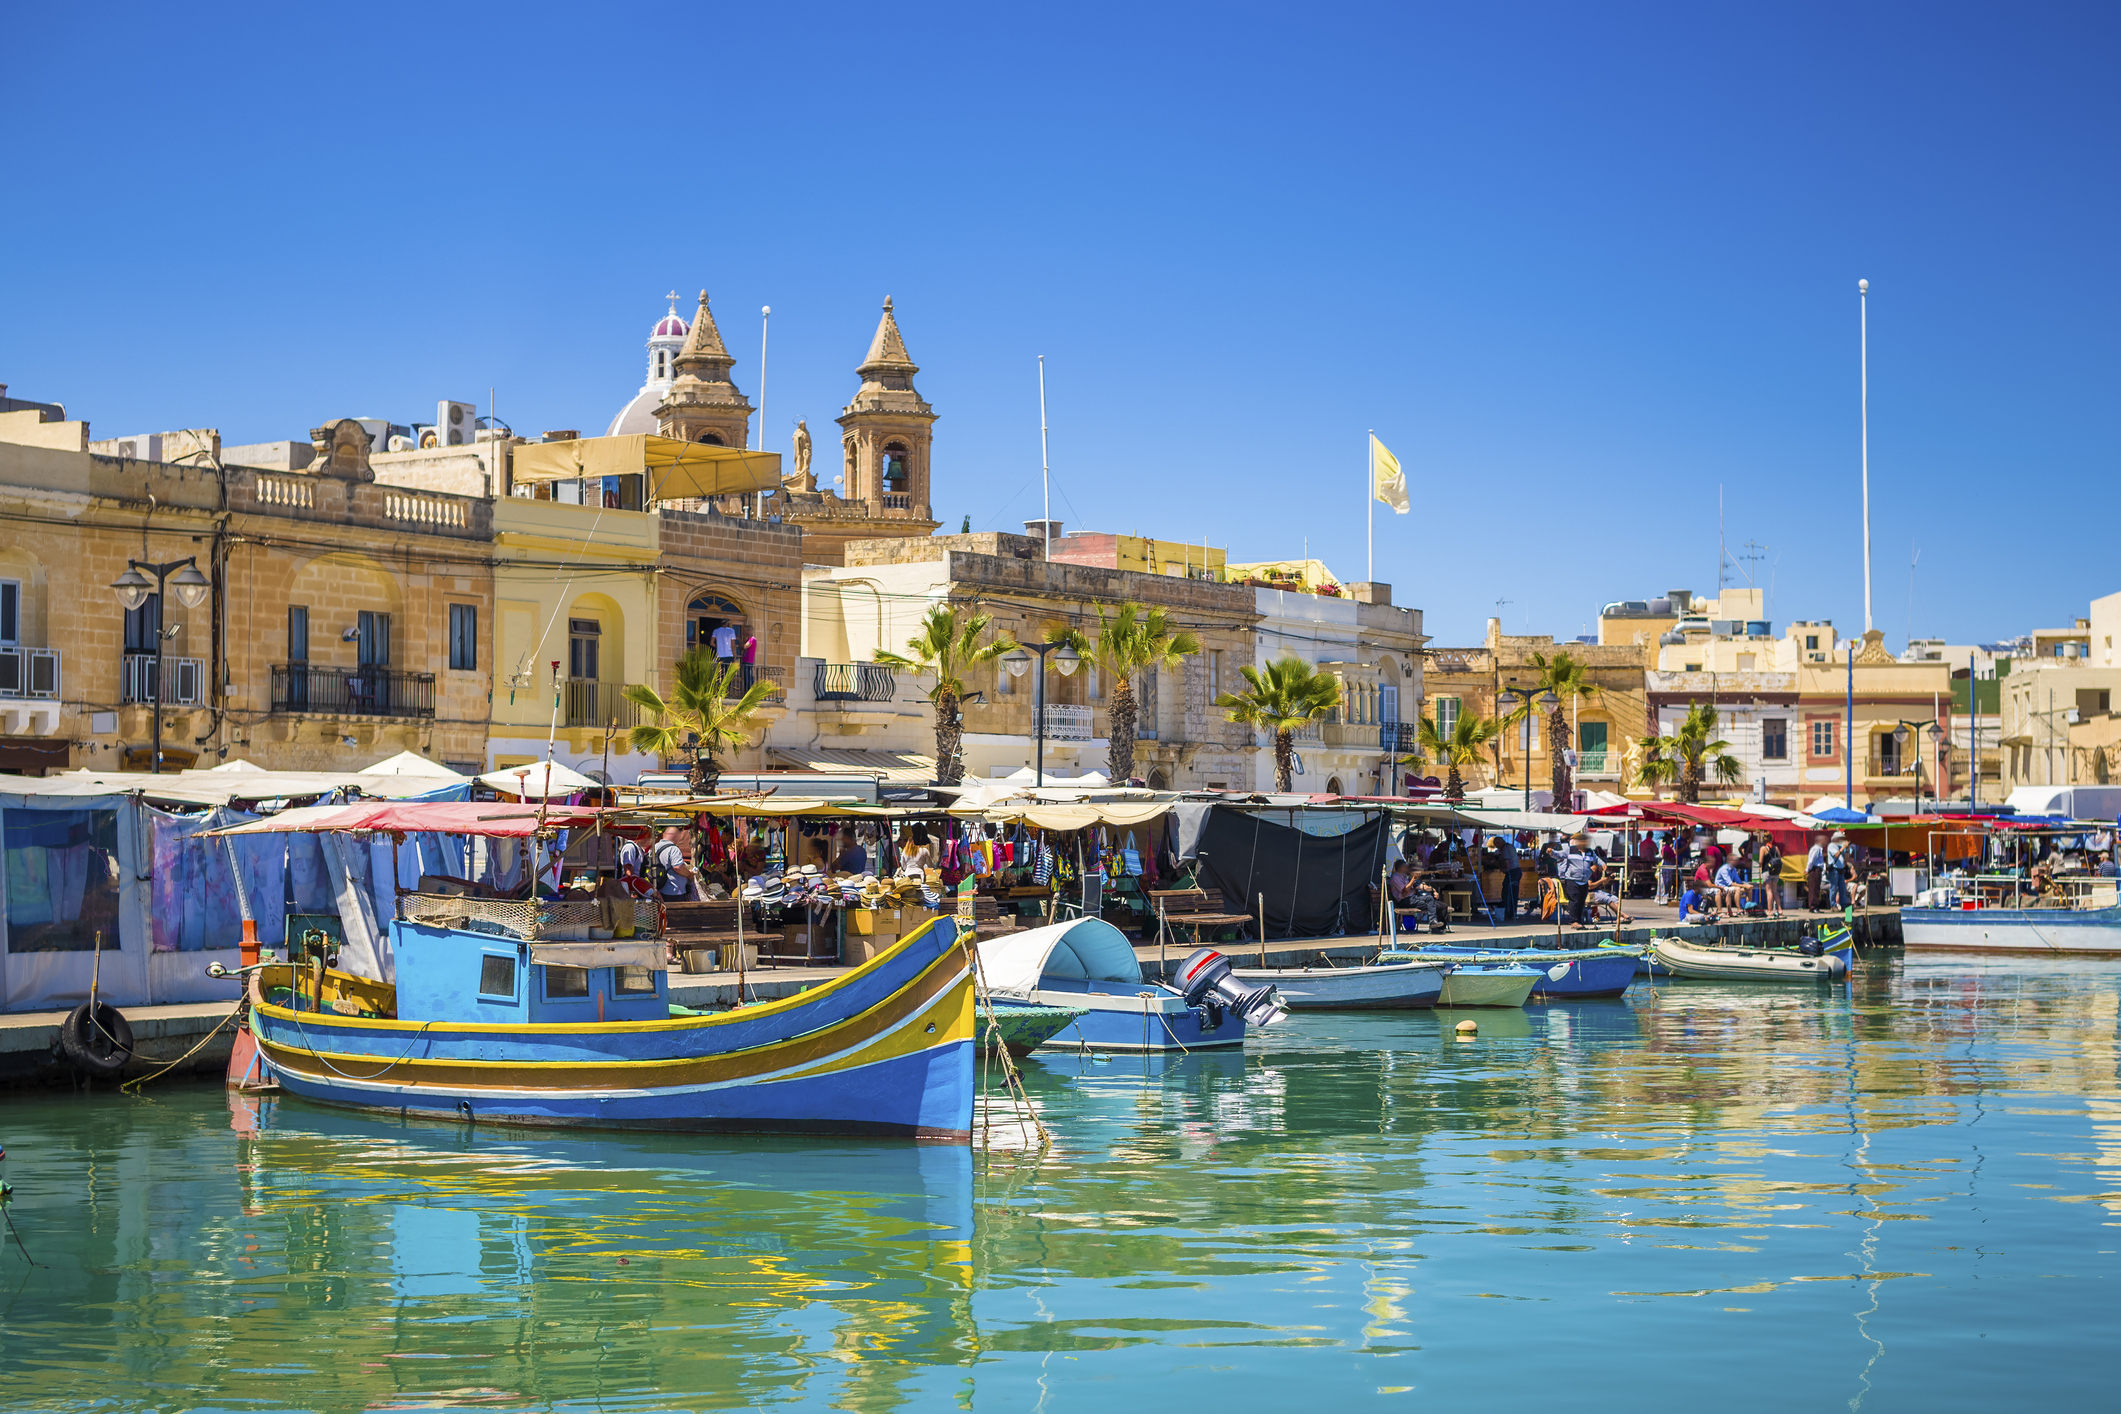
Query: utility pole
{"type": "Point", "coordinates": [1863, 305]}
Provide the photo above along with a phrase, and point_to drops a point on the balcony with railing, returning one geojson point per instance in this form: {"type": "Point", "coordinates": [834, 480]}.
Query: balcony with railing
{"type": "Point", "coordinates": [185, 685]}
{"type": "Point", "coordinates": [853, 682]}
{"type": "Point", "coordinates": [1598, 763]}
{"type": "Point", "coordinates": [598, 704]}
{"type": "Point", "coordinates": [1067, 723]}
{"type": "Point", "coordinates": [352, 692]}
{"type": "Point", "coordinates": [29, 672]}
{"type": "Point", "coordinates": [1355, 736]}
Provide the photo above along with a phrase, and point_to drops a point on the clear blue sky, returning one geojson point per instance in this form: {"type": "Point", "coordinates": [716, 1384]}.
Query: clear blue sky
{"type": "Point", "coordinates": [1578, 265]}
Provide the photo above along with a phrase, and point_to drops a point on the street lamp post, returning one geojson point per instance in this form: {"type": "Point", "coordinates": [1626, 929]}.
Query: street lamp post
{"type": "Point", "coordinates": [1902, 734]}
{"type": "Point", "coordinates": [1018, 661]}
{"type": "Point", "coordinates": [133, 588]}
{"type": "Point", "coordinates": [1508, 699]}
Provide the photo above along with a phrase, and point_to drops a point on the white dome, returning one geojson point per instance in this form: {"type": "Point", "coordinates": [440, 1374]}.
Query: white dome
{"type": "Point", "coordinates": [638, 415]}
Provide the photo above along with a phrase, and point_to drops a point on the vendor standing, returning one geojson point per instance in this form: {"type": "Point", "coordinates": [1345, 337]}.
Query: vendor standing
{"type": "Point", "coordinates": [1511, 861]}
{"type": "Point", "coordinates": [1578, 870]}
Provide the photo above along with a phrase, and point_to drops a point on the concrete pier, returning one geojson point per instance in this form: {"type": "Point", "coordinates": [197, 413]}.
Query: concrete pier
{"type": "Point", "coordinates": [29, 1049]}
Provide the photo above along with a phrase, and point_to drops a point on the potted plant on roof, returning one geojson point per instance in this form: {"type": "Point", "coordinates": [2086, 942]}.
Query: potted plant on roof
{"type": "Point", "coordinates": [708, 710]}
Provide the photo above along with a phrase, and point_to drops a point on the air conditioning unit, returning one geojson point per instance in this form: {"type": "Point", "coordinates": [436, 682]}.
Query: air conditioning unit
{"type": "Point", "coordinates": [456, 424]}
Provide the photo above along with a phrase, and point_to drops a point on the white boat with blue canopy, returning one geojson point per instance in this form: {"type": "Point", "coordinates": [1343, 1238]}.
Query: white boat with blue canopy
{"type": "Point", "coordinates": [1090, 964]}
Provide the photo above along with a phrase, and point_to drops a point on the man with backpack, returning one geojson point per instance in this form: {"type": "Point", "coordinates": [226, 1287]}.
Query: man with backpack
{"type": "Point", "coordinates": [674, 875]}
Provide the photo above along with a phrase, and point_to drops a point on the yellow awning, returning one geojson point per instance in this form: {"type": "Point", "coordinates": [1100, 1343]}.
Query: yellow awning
{"type": "Point", "coordinates": [673, 468]}
{"type": "Point", "coordinates": [1112, 813]}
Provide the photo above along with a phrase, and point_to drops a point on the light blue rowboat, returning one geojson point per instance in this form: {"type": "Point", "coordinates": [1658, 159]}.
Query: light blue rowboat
{"type": "Point", "coordinates": [1089, 964]}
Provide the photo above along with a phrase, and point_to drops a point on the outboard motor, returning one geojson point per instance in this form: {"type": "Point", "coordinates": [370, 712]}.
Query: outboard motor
{"type": "Point", "coordinates": [1204, 979]}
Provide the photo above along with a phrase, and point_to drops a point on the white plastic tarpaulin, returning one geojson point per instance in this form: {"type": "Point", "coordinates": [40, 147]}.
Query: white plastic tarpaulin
{"type": "Point", "coordinates": [1087, 948]}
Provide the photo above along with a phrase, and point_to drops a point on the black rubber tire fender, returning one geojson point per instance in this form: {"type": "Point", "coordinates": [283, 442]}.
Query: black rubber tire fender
{"type": "Point", "coordinates": [98, 1044]}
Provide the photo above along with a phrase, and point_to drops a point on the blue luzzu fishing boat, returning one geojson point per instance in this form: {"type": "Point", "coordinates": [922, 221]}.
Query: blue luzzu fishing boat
{"type": "Point", "coordinates": [526, 1011]}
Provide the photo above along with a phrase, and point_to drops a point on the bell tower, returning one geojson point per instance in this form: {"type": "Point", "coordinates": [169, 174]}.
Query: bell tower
{"type": "Point", "coordinates": [887, 429]}
{"type": "Point", "coordinates": [703, 404]}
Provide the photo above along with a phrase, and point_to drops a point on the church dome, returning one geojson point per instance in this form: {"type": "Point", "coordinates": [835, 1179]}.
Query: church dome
{"type": "Point", "coordinates": [670, 326]}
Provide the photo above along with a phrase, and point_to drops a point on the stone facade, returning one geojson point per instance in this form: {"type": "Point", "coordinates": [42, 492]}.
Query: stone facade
{"type": "Point", "coordinates": [375, 568]}
{"type": "Point", "coordinates": [1470, 680]}
{"type": "Point", "coordinates": [878, 597]}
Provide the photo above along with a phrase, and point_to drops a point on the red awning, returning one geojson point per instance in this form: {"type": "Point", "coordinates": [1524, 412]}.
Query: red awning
{"type": "Point", "coordinates": [442, 817]}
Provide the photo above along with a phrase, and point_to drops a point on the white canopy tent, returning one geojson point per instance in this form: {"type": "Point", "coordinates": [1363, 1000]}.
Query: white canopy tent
{"type": "Point", "coordinates": [1087, 948]}
{"type": "Point", "coordinates": [410, 763]}
{"type": "Point", "coordinates": [540, 781]}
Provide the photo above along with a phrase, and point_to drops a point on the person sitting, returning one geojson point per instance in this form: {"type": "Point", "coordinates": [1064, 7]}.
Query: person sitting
{"type": "Point", "coordinates": [1609, 901]}
{"type": "Point", "coordinates": [1732, 886]}
{"type": "Point", "coordinates": [1415, 904]}
{"type": "Point", "coordinates": [1693, 908]}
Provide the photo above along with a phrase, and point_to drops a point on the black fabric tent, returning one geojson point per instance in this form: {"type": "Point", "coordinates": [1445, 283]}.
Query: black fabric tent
{"type": "Point", "coordinates": [1315, 886]}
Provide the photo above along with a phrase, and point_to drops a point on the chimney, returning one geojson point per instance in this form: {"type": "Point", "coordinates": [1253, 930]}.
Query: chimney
{"type": "Point", "coordinates": [1044, 531]}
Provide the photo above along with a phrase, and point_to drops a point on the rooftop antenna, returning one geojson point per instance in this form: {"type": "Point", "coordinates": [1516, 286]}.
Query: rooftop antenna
{"type": "Point", "coordinates": [1752, 552]}
{"type": "Point", "coordinates": [1911, 601]}
{"type": "Point", "coordinates": [1045, 470]}
{"type": "Point", "coordinates": [1723, 558]}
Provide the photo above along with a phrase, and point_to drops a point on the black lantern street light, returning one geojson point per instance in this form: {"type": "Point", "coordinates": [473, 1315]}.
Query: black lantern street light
{"type": "Point", "coordinates": [1507, 700]}
{"type": "Point", "coordinates": [1902, 734]}
{"type": "Point", "coordinates": [1018, 661]}
{"type": "Point", "coordinates": [133, 588]}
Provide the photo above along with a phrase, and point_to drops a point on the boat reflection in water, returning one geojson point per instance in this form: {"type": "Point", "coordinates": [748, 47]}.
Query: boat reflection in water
{"type": "Point", "coordinates": [1716, 1172]}
{"type": "Point", "coordinates": [514, 1267]}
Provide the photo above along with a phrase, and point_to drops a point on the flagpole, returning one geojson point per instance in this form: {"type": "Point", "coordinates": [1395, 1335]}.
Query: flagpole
{"type": "Point", "coordinates": [1369, 477]}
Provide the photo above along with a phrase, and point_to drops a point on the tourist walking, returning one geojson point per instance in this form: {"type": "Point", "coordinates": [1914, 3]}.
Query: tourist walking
{"type": "Point", "coordinates": [1771, 875]}
{"type": "Point", "coordinates": [1506, 853]}
{"type": "Point", "coordinates": [1667, 870]}
{"type": "Point", "coordinates": [1837, 871]}
{"type": "Point", "coordinates": [1814, 870]}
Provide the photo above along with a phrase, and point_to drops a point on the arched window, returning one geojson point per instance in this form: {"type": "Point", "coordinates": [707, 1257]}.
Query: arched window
{"type": "Point", "coordinates": [898, 469]}
{"type": "Point", "coordinates": [709, 612]}
{"type": "Point", "coordinates": [712, 439]}
{"type": "Point", "coordinates": [659, 357]}
{"type": "Point", "coordinates": [1159, 780]}
{"type": "Point", "coordinates": [1332, 785]}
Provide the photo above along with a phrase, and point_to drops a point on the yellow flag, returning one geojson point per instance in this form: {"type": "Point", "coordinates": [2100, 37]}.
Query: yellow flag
{"type": "Point", "coordinates": [1387, 484]}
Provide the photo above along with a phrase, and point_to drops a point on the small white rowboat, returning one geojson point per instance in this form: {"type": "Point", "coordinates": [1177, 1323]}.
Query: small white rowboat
{"type": "Point", "coordinates": [1686, 959]}
{"type": "Point", "coordinates": [1478, 985]}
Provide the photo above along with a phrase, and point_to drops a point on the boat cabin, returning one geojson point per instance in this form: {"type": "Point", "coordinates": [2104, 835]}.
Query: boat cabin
{"type": "Point", "coordinates": [454, 974]}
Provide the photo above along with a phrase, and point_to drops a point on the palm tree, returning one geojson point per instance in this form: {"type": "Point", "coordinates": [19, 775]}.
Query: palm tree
{"type": "Point", "coordinates": [1282, 698]}
{"type": "Point", "coordinates": [1462, 746]}
{"type": "Point", "coordinates": [1682, 757]}
{"type": "Point", "coordinates": [705, 713]}
{"type": "Point", "coordinates": [1134, 640]}
{"type": "Point", "coordinates": [948, 647]}
{"type": "Point", "coordinates": [1566, 678]}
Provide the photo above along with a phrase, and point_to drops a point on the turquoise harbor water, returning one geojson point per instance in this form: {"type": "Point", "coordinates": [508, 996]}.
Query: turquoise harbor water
{"type": "Point", "coordinates": [1902, 1196]}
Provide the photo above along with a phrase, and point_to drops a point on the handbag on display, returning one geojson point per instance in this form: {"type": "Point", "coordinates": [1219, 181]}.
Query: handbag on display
{"type": "Point", "coordinates": [1130, 859]}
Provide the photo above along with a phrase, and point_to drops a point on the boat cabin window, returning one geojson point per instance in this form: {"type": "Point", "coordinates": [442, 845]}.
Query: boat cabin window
{"type": "Point", "coordinates": [634, 980]}
{"type": "Point", "coordinates": [497, 976]}
{"type": "Point", "coordinates": [562, 982]}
